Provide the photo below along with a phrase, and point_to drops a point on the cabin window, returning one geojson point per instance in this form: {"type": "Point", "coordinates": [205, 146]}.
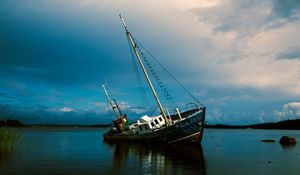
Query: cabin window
{"type": "Point", "coordinates": [156, 122]}
{"type": "Point", "coordinates": [146, 127]}
{"type": "Point", "coordinates": [152, 124]}
{"type": "Point", "coordinates": [141, 128]}
{"type": "Point", "coordinates": [160, 119]}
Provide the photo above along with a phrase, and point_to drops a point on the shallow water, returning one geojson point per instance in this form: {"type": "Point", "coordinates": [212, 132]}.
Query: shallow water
{"type": "Point", "coordinates": [82, 151]}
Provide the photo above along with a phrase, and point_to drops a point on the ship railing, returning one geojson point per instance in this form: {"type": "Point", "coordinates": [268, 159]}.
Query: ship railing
{"type": "Point", "coordinates": [183, 112]}
{"type": "Point", "coordinates": [187, 107]}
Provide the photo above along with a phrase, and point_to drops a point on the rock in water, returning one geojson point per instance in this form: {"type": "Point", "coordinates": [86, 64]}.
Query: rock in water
{"type": "Point", "coordinates": [286, 140]}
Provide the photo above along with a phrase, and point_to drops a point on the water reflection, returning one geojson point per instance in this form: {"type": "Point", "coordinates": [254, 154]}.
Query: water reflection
{"type": "Point", "coordinates": [134, 158]}
{"type": "Point", "coordinates": [287, 147]}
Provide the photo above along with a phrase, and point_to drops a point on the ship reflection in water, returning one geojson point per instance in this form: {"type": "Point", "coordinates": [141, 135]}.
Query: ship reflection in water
{"type": "Point", "coordinates": [135, 158]}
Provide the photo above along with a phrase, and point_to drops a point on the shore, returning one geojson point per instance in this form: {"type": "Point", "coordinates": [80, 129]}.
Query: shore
{"type": "Point", "coordinates": [7, 137]}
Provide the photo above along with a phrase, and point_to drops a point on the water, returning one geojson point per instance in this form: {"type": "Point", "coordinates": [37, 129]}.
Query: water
{"type": "Point", "coordinates": [81, 151]}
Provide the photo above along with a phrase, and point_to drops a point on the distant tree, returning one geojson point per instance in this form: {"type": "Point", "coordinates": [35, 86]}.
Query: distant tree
{"type": "Point", "coordinates": [14, 123]}
{"type": "Point", "coordinates": [2, 123]}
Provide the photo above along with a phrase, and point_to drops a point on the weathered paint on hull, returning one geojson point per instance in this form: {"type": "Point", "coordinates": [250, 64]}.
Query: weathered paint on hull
{"type": "Point", "coordinates": [190, 129]}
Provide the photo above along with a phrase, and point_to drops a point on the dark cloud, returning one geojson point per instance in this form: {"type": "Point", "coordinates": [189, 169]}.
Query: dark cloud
{"type": "Point", "coordinates": [58, 62]}
{"type": "Point", "coordinates": [287, 8]}
{"type": "Point", "coordinates": [66, 48]}
{"type": "Point", "coordinates": [44, 46]}
{"type": "Point", "coordinates": [289, 54]}
{"type": "Point", "coordinates": [5, 96]}
{"type": "Point", "coordinates": [60, 45]}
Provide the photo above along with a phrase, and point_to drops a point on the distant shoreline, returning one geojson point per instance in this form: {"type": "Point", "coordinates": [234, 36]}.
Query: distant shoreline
{"type": "Point", "coordinates": [70, 126]}
{"type": "Point", "coordinates": [286, 124]}
{"type": "Point", "coordinates": [17, 123]}
{"type": "Point", "coordinates": [58, 126]}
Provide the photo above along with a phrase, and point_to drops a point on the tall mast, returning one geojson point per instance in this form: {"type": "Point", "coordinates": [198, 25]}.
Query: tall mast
{"type": "Point", "coordinates": [133, 44]}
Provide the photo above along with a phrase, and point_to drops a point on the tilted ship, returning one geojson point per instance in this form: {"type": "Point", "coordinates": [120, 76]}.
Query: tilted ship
{"type": "Point", "coordinates": [182, 126]}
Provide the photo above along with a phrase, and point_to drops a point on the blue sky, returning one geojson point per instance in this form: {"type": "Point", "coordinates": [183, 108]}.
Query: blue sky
{"type": "Point", "coordinates": [241, 59]}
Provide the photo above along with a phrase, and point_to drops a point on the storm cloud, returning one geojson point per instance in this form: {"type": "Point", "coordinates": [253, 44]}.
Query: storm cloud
{"type": "Point", "coordinates": [240, 58]}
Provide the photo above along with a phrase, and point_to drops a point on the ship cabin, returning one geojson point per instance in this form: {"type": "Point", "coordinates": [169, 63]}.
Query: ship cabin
{"type": "Point", "coordinates": [147, 124]}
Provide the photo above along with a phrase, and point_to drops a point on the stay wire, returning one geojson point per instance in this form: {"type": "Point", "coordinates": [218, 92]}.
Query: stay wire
{"type": "Point", "coordinates": [168, 97]}
{"type": "Point", "coordinates": [192, 96]}
{"type": "Point", "coordinates": [142, 91]}
{"type": "Point", "coordinates": [211, 138]}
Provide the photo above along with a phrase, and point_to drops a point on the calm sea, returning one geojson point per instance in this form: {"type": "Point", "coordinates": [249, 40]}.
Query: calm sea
{"type": "Point", "coordinates": [82, 151]}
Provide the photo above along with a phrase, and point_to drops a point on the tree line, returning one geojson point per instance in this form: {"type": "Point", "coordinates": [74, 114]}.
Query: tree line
{"type": "Point", "coordinates": [11, 123]}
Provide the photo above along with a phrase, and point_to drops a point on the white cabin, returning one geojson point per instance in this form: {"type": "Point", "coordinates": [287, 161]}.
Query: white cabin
{"type": "Point", "coordinates": [147, 124]}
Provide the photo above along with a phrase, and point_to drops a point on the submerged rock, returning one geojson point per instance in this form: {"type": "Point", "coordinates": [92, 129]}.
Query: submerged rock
{"type": "Point", "coordinates": [287, 140]}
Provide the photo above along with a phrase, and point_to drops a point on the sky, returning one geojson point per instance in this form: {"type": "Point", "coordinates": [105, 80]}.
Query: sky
{"type": "Point", "coordinates": [241, 59]}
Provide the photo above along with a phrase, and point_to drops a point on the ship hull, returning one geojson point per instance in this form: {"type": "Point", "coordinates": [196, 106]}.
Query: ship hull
{"type": "Point", "coordinates": [189, 129]}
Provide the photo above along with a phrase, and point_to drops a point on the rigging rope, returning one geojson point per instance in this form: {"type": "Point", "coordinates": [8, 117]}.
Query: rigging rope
{"type": "Point", "coordinates": [142, 90]}
{"type": "Point", "coordinates": [158, 81]}
{"type": "Point", "coordinates": [190, 94]}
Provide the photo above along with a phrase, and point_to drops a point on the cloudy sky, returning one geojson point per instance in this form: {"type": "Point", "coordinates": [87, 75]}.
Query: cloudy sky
{"type": "Point", "coordinates": [241, 59]}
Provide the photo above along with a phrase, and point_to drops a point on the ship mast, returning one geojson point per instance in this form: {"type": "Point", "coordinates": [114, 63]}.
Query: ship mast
{"type": "Point", "coordinates": [112, 102]}
{"type": "Point", "coordinates": [133, 44]}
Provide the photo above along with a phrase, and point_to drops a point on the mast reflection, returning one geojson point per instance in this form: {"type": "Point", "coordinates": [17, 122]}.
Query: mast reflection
{"type": "Point", "coordinates": [137, 158]}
